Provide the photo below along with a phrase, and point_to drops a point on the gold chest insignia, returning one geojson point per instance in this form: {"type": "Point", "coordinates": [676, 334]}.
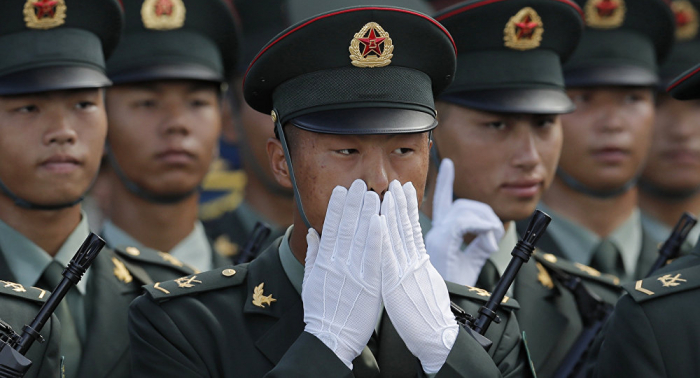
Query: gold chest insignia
{"type": "Point", "coordinates": [524, 30]}
{"type": "Point", "coordinates": [605, 14]}
{"type": "Point", "coordinates": [44, 14]}
{"type": "Point", "coordinates": [14, 286]}
{"type": "Point", "coordinates": [261, 300]}
{"type": "Point", "coordinates": [169, 258]}
{"type": "Point", "coordinates": [543, 277]}
{"type": "Point", "coordinates": [686, 20]}
{"type": "Point", "coordinates": [371, 47]}
{"type": "Point", "coordinates": [121, 272]}
{"type": "Point", "coordinates": [671, 281]}
{"type": "Point", "coordinates": [187, 282]}
{"type": "Point", "coordinates": [163, 14]}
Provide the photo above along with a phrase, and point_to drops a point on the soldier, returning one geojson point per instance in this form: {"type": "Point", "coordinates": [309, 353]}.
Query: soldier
{"type": "Point", "coordinates": [643, 338]}
{"type": "Point", "coordinates": [19, 305]}
{"type": "Point", "coordinates": [670, 183]}
{"type": "Point", "coordinates": [504, 135]}
{"type": "Point", "coordinates": [165, 117]}
{"type": "Point", "coordinates": [52, 130]}
{"type": "Point", "coordinates": [611, 78]}
{"type": "Point", "coordinates": [354, 90]}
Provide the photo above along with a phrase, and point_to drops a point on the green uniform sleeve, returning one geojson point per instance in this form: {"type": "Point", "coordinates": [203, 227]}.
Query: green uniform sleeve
{"type": "Point", "coordinates": [158, 348]}
{"type": "Point", "coordinates": [628, 345]}
{"type": "Point", "coordinates": [305, 349]}
{"type": "Point", "coordinates": [467, 359]}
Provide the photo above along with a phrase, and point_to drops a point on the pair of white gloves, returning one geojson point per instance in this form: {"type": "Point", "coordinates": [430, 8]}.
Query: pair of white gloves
{"type": "Point", "coordinates": [371, 252]}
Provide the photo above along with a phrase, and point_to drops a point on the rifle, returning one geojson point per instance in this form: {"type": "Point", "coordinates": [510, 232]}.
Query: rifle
{"type": "Point", "coordinates": [477, 326]}
{"type": "Point", "coordinates": [13, 347]}
{"type": "Point", "coordinates": [672, 246]}
{"type": "Point", "coordinates": [252, 247]}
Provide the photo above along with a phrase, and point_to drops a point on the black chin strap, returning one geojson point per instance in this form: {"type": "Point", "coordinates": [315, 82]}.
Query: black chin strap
{"type": "Point", "coordinates": [141, 192]}
{"type": "Point", "coordinates": [667, 194]}
{"type": "Point", "coordinates": [602, 194]}
{"type": "Point", "coordinates": [34, 206]}
{"type": "Point", "coordinates": [292, 177]}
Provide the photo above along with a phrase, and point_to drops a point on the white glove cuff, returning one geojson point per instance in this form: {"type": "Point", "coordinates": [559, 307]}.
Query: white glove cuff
{"type": "Point", "coordinates": [449, 336]}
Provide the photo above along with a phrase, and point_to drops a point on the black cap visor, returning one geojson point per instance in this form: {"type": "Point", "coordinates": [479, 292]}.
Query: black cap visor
{"type": "Point", "coordinates": [523, 101]}
{"type": "Point", "coordinates": [171, 71]}
{"type": "Point", "coordinates": [47, 79]}
{"type": "Point", "coordinates": [611, 75]}
{"type": "Point", "coordinates": [365, 121]}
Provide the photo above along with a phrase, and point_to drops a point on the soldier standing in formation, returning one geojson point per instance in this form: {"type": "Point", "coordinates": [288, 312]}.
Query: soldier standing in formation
{"type": "Point", "coordinates": [670, 183]}
{"type": "Point", "coordinates": [165, 118]}
{"type": "Point", "coordinates": [611, 78]}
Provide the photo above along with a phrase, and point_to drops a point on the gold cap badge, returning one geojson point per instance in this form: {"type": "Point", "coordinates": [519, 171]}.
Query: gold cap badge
{"type": "Point", "coordinates": [686, 20]}
{"type": "Point", "coordinates": [524, 30]}
{"type": "Point", "coordinates": [371, 47]}
{"type": "Point", "coordinates": [605, 14]}
{"type": "Point", "coordinates": [44, 14]}
{"type": "Point", "coordinates": [163, 14]}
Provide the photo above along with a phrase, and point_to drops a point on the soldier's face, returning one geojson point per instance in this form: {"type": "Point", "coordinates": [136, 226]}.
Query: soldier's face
{"type": "Point", "coordinates": [674, 157]}
{"type": "Point", "coordinates": [607, 138]}
{"type": "Point", "coordinates": [503, 160]}
{"type": "Point", "coordinates": [164, 134]}
{"type": "Point", "coordinates": [324, 161]}
{"type": "Point", "coordinates": [51, 144]}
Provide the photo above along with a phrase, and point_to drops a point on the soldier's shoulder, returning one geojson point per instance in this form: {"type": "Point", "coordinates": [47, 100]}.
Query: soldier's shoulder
{"type": "Point", "coordinates": [478, 295]}
{"type": "Point", "coordinates": [136, 260]}
{"type": "Point", "coordinates": [193, 284]}
{"type": "Point", "coordinates": [587, 273]}
{"type": "Point", "coordinates": [10, 289]}
{"type": "Point", "coordinates": [664, 284]}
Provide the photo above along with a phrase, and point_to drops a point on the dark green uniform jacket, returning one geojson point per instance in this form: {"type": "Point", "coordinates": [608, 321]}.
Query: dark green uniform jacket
{"type": "Point", "coordinates": [19, 305]}
{"type": "Point", "coordinates": [655, 328]}
{"type": "Point", "coordinates": [207, 325]}
{"type": "Point", "coordinates": [548, 312]}
{"type": "Point", "coordinates": [647, 256]}
{"type": "Point", "coordinates": [114, 281]}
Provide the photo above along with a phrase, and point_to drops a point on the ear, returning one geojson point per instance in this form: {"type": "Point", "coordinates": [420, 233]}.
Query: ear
{"type": "Point", "coordinates": [280, 169]}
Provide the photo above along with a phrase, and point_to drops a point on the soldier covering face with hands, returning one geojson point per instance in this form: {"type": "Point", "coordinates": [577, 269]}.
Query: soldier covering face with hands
{"type": "Point", "coordinates": [353, 112]}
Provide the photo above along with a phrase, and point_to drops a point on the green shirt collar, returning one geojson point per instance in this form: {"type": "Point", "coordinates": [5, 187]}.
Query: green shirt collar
{"type": "Point", "coordinates": [578, 243]}
{"type": "Point", "coordinates": [27, 261]}
{"type": "Point", "coordinates": [292, 267]}
{"type": "Point", "coordinates": [193, 250]}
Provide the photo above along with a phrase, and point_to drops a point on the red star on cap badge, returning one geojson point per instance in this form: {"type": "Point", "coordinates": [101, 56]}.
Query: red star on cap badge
{"type": "Point", "coordinates": [526, 27]}
{"type": "Point", "coordinates": [606, 8]}
{"type": "Point", "coordinates": [45, 8]}
{"type": "Point", "coordinates": [372, 43]}
{"type": "Point", "coordinates": [164, 7]}
{"type": "Point", "coordinates": [682, 18]}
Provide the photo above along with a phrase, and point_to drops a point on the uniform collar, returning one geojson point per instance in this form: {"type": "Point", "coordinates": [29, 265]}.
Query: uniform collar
{"type": "Point", "coordinates": [193, 250]}
{"type": "Point", "coordinates": [578, 243]}
{"type": "Point", "coordinates": [292, 267]}
{"type": "Point", "coordinates": [27, 261]}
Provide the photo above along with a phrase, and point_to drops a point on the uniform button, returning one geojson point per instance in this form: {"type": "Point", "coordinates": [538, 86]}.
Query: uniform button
{"type": "Point", "coordinates": [133, 251]}
{"type": "Point", "coordinates": [228, 272]}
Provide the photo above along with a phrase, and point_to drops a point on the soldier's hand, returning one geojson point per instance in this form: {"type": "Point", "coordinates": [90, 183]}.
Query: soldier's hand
{"type": "Point", "coordinates": [452, 220]}
{"type": "Point", "coordinates": [342, 276]}
{"type": "Point", "coordinates": [415, 295]}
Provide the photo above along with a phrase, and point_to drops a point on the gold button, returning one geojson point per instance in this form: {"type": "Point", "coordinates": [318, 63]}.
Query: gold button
{"type": "Point", "coordinates": [551, 258]}
{"type": "Point", "coordinates": [133, 251]}
{"type": "Point", "coordinates": [228, 272]}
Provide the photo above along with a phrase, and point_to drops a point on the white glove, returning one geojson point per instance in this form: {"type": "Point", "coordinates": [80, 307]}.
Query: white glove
{"type": "Point", "coordinates": [453, 220]}
{"type": "Point", "coordinates": [415, 296]}
{"type": "Point", "coordinates": [341, 291]}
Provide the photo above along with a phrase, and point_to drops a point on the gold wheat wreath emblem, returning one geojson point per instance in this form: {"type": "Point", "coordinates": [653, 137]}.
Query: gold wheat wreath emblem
{"type": "Point", "coordinates": [371, 47]}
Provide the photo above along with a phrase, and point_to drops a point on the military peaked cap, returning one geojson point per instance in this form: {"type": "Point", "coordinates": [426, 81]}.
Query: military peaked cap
{"type": "Point", "coordinates": [56, 44]}
{"type": "Point", "coordinates": [686, 51]}
{"type": "Point", "coordinates": [176, 39]}
{"type": "Point", "coordinates": [361, 70]}
{"type": "Point", "coordinates": [510, 54]}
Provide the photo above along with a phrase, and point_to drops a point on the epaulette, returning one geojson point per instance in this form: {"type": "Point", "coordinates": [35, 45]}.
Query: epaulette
{"type": "Point", "coordinates": [479, 295]}
{"type": "Point", "coordinates": [664, 284]}
{"type": "Point", "coordinates": [30, 293]}
{"type": "Point", "coordinates": [150, 256]}
{"type": "Point", "coordinates": [198, 283]}
{"type": "Point", "coordinates": [577, 269]}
